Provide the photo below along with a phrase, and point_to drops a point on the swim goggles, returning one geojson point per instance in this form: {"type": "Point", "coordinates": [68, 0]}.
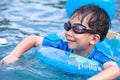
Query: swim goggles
{"type": "Point", "coordinates": [79, 28]}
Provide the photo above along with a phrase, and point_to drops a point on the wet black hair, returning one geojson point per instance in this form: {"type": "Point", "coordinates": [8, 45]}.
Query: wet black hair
{"type": "Point", "coordinates": [99, 20]}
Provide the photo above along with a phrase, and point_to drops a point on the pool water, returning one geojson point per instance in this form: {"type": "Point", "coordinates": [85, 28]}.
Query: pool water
{"type": "Point", "coordinates": [20, 18]}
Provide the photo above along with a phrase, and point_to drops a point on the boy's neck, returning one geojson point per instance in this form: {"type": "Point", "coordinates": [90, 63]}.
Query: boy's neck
{"type": "Point", "coordinates": [83, 53]}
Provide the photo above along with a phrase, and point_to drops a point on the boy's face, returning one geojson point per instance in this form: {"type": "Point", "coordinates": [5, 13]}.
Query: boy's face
{"type": "Point", "coordinates": [81, 41]}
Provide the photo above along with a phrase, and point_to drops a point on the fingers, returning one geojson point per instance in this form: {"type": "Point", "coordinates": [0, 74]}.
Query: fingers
{"type": "Point", "coordinates": [9, 59]}
{"type": "Point", "coordinates": [1, 62]}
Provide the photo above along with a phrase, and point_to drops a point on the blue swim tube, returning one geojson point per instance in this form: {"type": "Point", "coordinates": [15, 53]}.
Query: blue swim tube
{"type": "Point", "coordinates": [73, 64]}
{"type": "Point", "coordinates": [107, 5]}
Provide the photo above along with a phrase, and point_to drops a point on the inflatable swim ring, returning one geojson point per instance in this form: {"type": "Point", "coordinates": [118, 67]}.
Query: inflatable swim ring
{"type": "Point", "coordinates": [73, 63]}
{"type": "Point", "coordinates": [107, 5]}
{"type": "Point", "coordinates": [76, 64]}
{"type": "Point", "coordinates": [115, 45]}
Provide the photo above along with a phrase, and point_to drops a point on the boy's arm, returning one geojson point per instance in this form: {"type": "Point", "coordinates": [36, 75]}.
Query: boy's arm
{"type": "Point", "coordinates": [22, 47]}
{"type": "Point", "coordinates": [110, 72]}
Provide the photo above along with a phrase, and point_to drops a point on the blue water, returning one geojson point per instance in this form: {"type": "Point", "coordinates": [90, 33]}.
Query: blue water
{"type": "Point", "coordinates": [20, 18]}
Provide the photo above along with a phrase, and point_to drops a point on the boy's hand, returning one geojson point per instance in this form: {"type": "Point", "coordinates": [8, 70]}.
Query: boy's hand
{"type": "Point", "coordinates": [9, 59]}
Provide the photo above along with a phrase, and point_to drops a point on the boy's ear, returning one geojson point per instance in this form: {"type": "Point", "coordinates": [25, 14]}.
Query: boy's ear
{"type": "Point", "coordinates": [95, 39]}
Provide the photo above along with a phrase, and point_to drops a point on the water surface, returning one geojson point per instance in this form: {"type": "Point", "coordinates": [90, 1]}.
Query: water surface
{"type": "Point", "coordinates": [20, 18]}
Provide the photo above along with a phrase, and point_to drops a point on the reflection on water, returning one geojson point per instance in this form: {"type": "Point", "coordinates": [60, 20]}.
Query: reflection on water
{"type": "Point", "coordinates": [20, 18]}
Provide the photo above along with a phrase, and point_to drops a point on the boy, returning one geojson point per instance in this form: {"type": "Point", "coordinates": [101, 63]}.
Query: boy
{"type": "Point", "coordinates": [88, 25]}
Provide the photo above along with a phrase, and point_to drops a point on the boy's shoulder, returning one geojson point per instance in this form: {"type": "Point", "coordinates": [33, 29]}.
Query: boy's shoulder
{"type": "Point", "coordinates": [101, 56]}
{"type": "Point", "coordinates": [56, 41]}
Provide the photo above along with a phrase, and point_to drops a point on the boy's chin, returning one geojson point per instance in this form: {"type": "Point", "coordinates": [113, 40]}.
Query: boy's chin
{"type": "Point", "coordinates": [76, 48]}
{"type": "Point", "coordinates": [71, 47]}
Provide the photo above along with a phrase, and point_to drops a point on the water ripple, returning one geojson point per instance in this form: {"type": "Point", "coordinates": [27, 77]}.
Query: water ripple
{"type": "Point", "coordinates": [20, 18]}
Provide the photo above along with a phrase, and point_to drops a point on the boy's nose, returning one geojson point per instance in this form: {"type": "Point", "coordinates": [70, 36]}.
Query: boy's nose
{"type": "Point", "coordinates": [69, 33]}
